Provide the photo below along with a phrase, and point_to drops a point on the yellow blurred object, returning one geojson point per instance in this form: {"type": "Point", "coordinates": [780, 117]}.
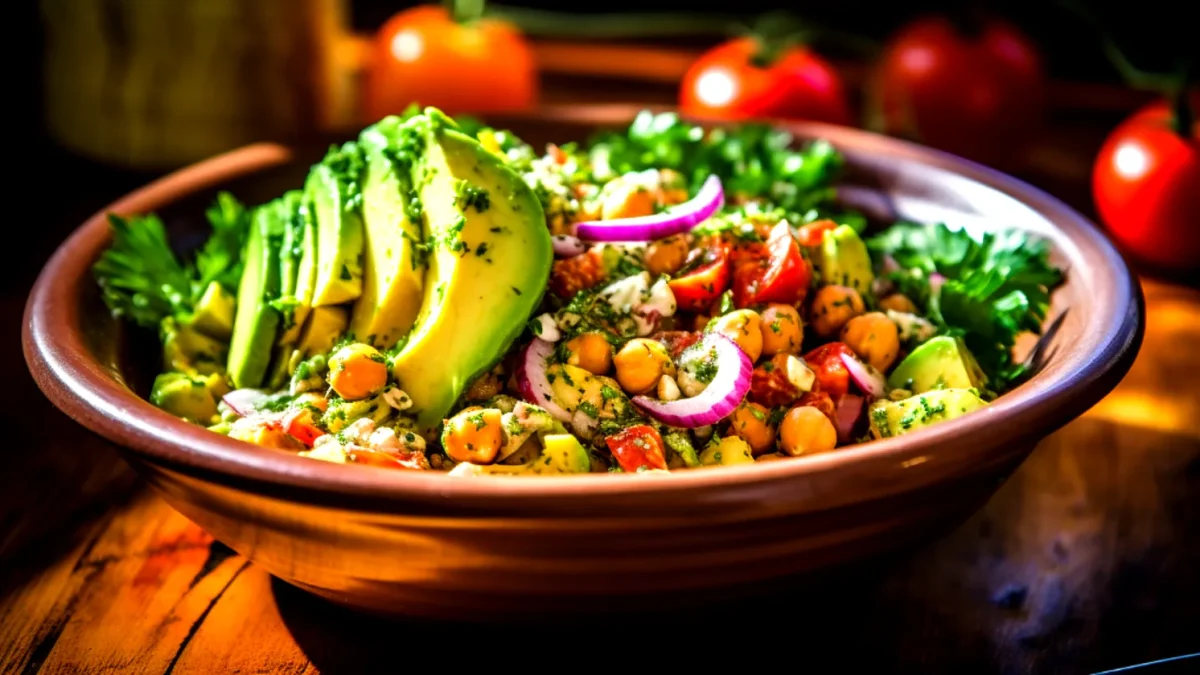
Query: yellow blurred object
{"type": "Point", "coordinates": [161, 83]}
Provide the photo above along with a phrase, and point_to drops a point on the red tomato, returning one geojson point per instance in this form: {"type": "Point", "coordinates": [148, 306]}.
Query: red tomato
{"type": "Point", "coordinates": [781, 276]}
{"type": "Point", "coordinates": [696, 290]}
{"type": "Point", "coordinates": [726, 83]}
{"type": "Point", "coordinates": [299, 425]}
{"type": "Point", "coordinates": [826, 362]}
{"type": "Point", "coordinates": [769, 384]}
{"type": "Point", "coordinates": [677, 340]}
{"type": "Point", "coordinates": [422, 56]}
{"type": "Point", "coordinates": [1146, 183]}
{"type": "Point", "coordinates": [636, 447]}
{"type": "Point", "coordinates": [812, 234]}
{"type": "Point", "coordinates": [375, 458]}
{"type": "Point", "coordinates": [819, 400]}
{"type": "Point", "coordinates": [976, 95]}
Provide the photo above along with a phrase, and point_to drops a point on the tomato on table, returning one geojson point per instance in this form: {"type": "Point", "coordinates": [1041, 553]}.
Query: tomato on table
{"type": "Point", "coordinates": [974, 89]}
{"type": "Point", "coordinates": [748, 77]}
{"type": "Point", "coordinates": [471, 65]}
{"type": "Point", "coordinates": [705, 278]}
{"type": "Point", "coordinates": [1146, 184]}
{"type": "Point", "coordinates": [637, 447]}
{"type": "Point", "coordinates": [826, 362]}
{"type": "Point", "coordinates": [781, 275]}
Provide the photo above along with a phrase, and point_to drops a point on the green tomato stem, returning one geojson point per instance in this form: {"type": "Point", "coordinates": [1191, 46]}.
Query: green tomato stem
{"type": "Point", "coordinates": [464, 11]}
{"type": "Point", "coordinates": [1182, 115]}
{"type": "Point", "coordinates": [543, 23]}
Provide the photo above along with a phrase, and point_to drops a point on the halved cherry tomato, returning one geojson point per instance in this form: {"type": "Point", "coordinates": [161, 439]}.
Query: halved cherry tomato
{"type": "Point", "coordinates": [826, 362]}
{"type": "Point", "coordinates": [819, 400]}
{"type": "Point", "coordinates": [782, 276]}
{"type": "Point", "coordinates": [375, 458]}
{"type": "Point", "coordinates": [299, 425]}
{"type": "Point", "coordinates": [677, 340]}
{"type": "Point", "coordinates": [636, 447]}
{"type": "Point", "coordinates": [769, 384]}
{"type": "Point", "coordinates": [697, 289]}
{"type": "Point", "coordinates": [812, 234]}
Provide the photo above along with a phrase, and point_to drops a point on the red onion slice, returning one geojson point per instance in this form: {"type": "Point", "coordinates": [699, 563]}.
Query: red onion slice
{"type": "Point", "coordinates": [681, 218]}
{"type": "Point", "coordinates": [243, 401]}
{"type": "Point", "coordinates": [869, 380]}
{"type": "Point", "coordinates": [532, 381]}
{"type": "Point", "coordinates": [848, 411]}
{"type": "Point", "coordinates": [935, 282]}
{"type": "Point", "coordinates": [719, 398]}
{"type": "Point", "coordinates": [566, 246]}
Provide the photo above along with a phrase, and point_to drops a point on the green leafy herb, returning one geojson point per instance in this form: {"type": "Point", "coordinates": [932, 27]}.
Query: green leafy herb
{"type": "Point", "coordinates": [220, 259]}
{"type": "Point", "coordinates": [140, 278]}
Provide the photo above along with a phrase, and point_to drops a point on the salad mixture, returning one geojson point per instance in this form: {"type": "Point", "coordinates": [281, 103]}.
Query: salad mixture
{"type": "Point", "coordinates": [440, 296]}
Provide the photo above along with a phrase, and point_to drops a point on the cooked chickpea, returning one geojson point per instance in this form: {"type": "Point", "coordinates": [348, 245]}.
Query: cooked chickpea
{"type": "Point", "coordinates": [782, 331]}
{"type": "Point", "coordinates": [357, 371]}
{"type": "Point", "coordinates": [641, 363]}
{"type": "Point", "coordinates": [874, 338]}
{"type": "Point", "coordinates": [806, 431]}
{"type": "Point", "coordinates": [591, 352]}
{"type": "Point", "coordinates": [898, 302]}
{"type": "Point", "coordinates": [743, 326]}
{"type": "Point", "coordinates": [666, 256]}
{"type": "Point", "coordinates": [628, 199]}
{"type": "Point", "coordinates": [751, 422]}
{"type": "Point", "coordinates": [832, 307]}
{"type": "Point", "coordinates": [473, 435]}
{"type": "Point", "coordinates": [312, 398]}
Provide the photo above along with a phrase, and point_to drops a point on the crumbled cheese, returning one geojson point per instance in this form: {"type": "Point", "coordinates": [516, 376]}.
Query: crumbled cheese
{"type": "Point", "coordinates": [799, 374]}
{"type": "Point", "coordinates": [397, 398]}
{"type": "Point", "coordinates": [548, 328]}
{"type": "Point", "coordinates": [667, 389]}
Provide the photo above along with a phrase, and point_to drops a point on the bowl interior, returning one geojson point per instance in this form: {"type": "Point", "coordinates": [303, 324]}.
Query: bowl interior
{"type": "Point", "coordinates": [1095, 322]}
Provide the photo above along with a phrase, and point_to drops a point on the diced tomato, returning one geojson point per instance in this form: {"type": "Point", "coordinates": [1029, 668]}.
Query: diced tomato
{"type": "Point", "coordinates": [571, 275]}
{"type": "Point", "coordinates": [697, 289]}
{"type": "Point", "coordinates": [781, 276]}
{"type": "Point", "coordinates": [819, 400]}
{"type": "Point", "coordinates": [812, 234]}
{"type": "Point", "coordinates": [404, 460]}
{"type": "Point", "coordinates": [769, 384]}
{"type": "Point", "coordinates": [826, 362]}
{"type": "Point", "coordinates": [677, 340]}
{"type": "Point", "coordinates": [636, 447]}
{"type": "Point", "coordinates": [299, 425]}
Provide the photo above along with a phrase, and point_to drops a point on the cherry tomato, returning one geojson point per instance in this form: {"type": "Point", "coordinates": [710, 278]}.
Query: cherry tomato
{"type": "Point", "coordinates": [781, 276]}
{"type": "Point", "coordinates": [375, 458]}
{"type": "Point", "coordinates": [769, 384]}
{"type": "Point", "coordinates": [422, 56]}
{"type": "Point", "coordinates": [826, 362]}
{"type": "Point", "coordinates": [697, 289]}
{"type": "Point", "coordinates": [299, 425]}
{"type": "Point", "coordinates": [812, 234]}
{"type": "Point", "coordinates": [727, 82]}
{"type": "Point", "coordinates": [819, 400]}
{"type": "Point", "coordinates": [677, 340]}
{"type": "Point", "coordinates": [1146, 184]}
{"type": "Point", "coordinates": [977, 95]}
{"type": "Point", "coordinates": [636, 447]}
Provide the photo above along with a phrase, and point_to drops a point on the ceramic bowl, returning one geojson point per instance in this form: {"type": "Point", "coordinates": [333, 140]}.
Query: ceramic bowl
{"type": "Point", "coordinates": [418, 543]}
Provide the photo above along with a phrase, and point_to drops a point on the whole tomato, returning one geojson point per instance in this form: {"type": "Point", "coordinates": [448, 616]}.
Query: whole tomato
{"type": "Point", "coordinates": [1146, 184]}
{"type": "Point", "coordinates": [742, 79]}
{"type": "Point", "coordinates": [421, 55]}
{"type": "Point", "coordinates": [976, 93]}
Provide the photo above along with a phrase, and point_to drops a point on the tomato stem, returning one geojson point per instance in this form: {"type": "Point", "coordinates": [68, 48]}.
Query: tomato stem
{"type": "Point", "coordinates": [968, 19]}
{"type": "Point", "coordinates": [1182, 115]}
{"type": "Point", "coordinates": [1131, 74]}
{"type": "Point", "coordinates": [465, 11]}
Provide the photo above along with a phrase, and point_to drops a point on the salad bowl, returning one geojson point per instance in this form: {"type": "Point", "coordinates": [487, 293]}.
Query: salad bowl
{"type": "Point", "coordinates": [425, 544]}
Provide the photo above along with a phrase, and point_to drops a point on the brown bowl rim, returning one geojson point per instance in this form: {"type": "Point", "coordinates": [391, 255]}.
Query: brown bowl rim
{"type": "Point", "coordinates": [88, 392]}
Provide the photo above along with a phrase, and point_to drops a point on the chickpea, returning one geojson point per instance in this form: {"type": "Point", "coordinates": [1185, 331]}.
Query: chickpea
{"type": "Point", "coordinates": [743, 326]}
{"type": "Point", "coordinates": [874, 338]}
{"type": "Point", "coordinates": [641, 363]}
{"type": "Point", "coordinates": [312, 398]}
{"type": "Point", "coordinates": [832, 307]}
{"type": "Point", "coordinates": [591, 352]}
{"type": "Point", "coordinates": [357, 371]}
{"type": "Point", "coordinates": [473, 435]}
{"type": "Point", "coordinates": [627, 199]}
{"type": "Point", "coordinates": [806, 431]}
{"type": "Point", "coordinates": [782, 331]}
{"type": "Point", "coordinates": [751, 422]}
{"type": "Point", "coordinates": [666, 256]}
{"type": "Point", "coordinates": [898, 302]}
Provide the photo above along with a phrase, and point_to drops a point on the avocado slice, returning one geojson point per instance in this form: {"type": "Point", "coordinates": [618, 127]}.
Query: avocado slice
{"type": "Point", "coordinates": [394, 269]}
{"type": "Point", "coordinates": [561, 454]}
{"type": "Point", "coordinates": [213, 315]}
{"type": "Point", "coordinates": [192, 397]}
{"type": "Point", "coordinates": [332, 189]}
{"type": "Point", "coordinates": [942, 362]}
{"type": "Point", "coordinates": [186, 349]}
{"type": "Point", "coordinates": [290, 255]}
{"type": "Point", "coordinates": [306, 272]}
{"type": "Point", "coordinates": [488, 267]}
{"type": "Point", "coordinates": [256, 321]}
{"type": "Point", "coordinates": [325, 325]}
{"type": "Point", "coordinates": [842, 259]}
{"type": "Point", "coordinates": [894, 418]}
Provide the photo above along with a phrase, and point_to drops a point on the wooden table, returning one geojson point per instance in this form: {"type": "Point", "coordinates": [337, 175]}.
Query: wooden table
{"type": "Point", "coordinates": [1085, 560]}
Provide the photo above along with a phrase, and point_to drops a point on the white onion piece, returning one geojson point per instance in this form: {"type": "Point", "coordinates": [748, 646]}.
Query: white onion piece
{"type": "Point", "coordinates": [532, 381]}
{"type": "Point", "coordinates": [869, 380]}
{"type": "Point", "coordinates": [719, 398]}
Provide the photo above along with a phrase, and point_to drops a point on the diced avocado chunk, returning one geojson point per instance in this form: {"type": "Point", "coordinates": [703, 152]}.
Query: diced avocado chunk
{"type": "Point", "coordinates": [323, 328]}
{"type": "Point", "coordinates": [256, 322]}
{"type": "Point", "coordinates": [194, 398]}
{"type": "Point", "coordinates": [342, 413]}
{"type": "Point", "coordinates": [729, 450]}
{"type": "Point", "coordinates": [943, 362]}
{"type": "Point", "coordinates": [894, 418]}
{"type": "Point", "coordinates": [186, 349]}
{"type": "Point", "coordinates": [394, 269]}
{"type": "Point", "coordinates": [488, 267]}
{"type": "Point", "coordinates": [680, 451]}
{"type": "Point", "coordinates": [213, 315]}
{"type": "Point", "coordinates": [561, 454]}
{"type": "Point", "coordinates": [290, 253]}
{"type": "Point", "coordinates": [332, 189]}
{"type": "Point", "coordinates": [842, 259]}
